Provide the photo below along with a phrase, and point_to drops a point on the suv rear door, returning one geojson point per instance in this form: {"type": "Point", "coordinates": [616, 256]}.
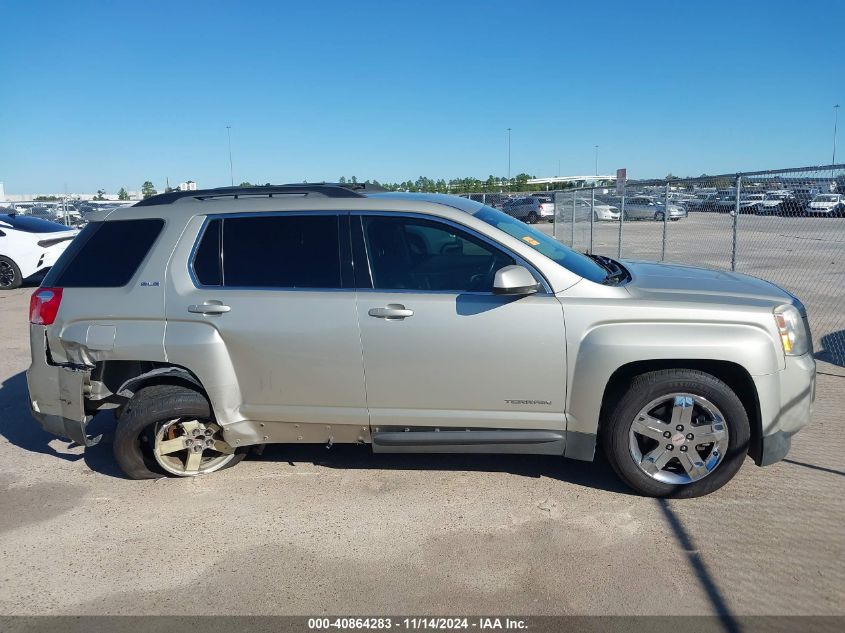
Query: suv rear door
{"type": "Point", "coordinates": [264, 305]}
{"type": "Point", "coordinates": [440, 349]}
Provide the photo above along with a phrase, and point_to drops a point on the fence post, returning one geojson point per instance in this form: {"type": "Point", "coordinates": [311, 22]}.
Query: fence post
{"type": "Point", "coordinates": [483, 198]}
{"type": "Point", "coordinates": [572, 243]}
{"type": "Point", "coordinates": [621, 222]}
{"type": "Point", "coordinates": [592, 216]}
{"type": "Point", "coordinates": [554, 220]}
{"type": "Point", "coordinates": [665, 221]}
{"type": "Point", "coordinates": [736, 218]}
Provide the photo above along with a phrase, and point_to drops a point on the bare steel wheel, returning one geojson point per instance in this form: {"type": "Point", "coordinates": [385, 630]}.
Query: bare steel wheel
{"type": "Point", "coordinates": [678, 438]}
{"type": "Point", "coordinates": [191, 447]}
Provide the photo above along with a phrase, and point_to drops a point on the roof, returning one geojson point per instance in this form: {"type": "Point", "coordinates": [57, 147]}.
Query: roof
{"type": "Point", "coordinates": [324, 195]}
{"type": "Point", "coordinates": [329, 190]}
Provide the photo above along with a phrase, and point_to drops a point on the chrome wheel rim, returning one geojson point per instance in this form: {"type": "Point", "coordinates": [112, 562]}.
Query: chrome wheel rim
{"type": "Point", "coordinates": [7, 275]}
{"type": "Point", "coordinates": [678, 438]}
{"type": "Point", "coordinates": [190, 447]}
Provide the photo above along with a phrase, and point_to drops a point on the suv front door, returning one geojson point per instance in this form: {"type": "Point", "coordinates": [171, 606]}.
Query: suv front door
{"type": "Point", "coordinates": [441, 351]}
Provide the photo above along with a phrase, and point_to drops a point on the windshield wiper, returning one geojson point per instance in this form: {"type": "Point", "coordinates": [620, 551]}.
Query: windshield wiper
{"type": "Point", "coordinates": [615, 272]}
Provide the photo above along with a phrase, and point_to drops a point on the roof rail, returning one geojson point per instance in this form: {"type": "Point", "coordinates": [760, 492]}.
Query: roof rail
{"type": "Point", "coordinates": [329, 190]}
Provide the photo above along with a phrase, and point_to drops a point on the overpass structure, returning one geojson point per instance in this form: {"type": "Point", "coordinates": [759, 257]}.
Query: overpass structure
{"type": "Point", "coordinates": [577, 181]}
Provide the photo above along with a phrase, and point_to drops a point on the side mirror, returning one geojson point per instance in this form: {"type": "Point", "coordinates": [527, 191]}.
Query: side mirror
{"type": "Point", "coordinates": [514, 280]}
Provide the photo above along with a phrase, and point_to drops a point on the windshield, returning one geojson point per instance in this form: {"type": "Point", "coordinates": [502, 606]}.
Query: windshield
{"type": "Point", "coordinates": [573, 261]}
{"type": "Point", "coordinates": [29, 224]}
{"type": "Point", "coordinates": [826, 198]}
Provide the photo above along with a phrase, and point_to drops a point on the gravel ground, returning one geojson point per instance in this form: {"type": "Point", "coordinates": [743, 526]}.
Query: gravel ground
{"type": "Point", "coordinates": [308, 531]}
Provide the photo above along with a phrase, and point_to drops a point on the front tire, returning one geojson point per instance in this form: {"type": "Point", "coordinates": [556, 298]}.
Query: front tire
{"type": "Point", "coordinates": [658, 217]}
{"type": "Point", "coordinates": [170, 430]}
{"type": "Point", "coordinates": [532, 218]}
{"type": "Point", "coordinates": [677, 433]}
{"type": "Point", "coordinates": [10, 274]}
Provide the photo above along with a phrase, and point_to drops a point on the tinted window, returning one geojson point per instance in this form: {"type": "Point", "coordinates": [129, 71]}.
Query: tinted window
{"type": "Point", "coordinates": [579, 264]}
{"type": "Point", "coordinates": [30, 224]}
{"type": "Point", "coordinates": [277, 251]}
{"type": "Point", "coordinates": [207, 258]}
{"type": "Point", "coordinates": [104, 254]}
{"type": "Point", "coordinates": [414, 254]}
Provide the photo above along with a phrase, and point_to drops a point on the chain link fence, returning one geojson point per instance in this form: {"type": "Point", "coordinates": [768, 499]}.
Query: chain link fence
{"type": "Point", "coordinates": [786, 226]}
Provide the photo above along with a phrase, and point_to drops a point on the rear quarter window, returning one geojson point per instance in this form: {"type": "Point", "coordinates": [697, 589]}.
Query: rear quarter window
{"type": "Point", "coordinates": [105, 254]}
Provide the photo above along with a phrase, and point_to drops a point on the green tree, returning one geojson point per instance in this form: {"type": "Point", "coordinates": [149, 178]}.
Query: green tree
{"type": "Point", "coordinates": [246, 183]}
{"type": "Point", "coordinates": [342, 180]}
{"type": "Point", "coordinates": [101, 194]}
{"type": "Point", "coordinates": [46, 198]}
{"type": "Point", "coordinates": [147, 189]}
{"type": "Point", "coordinates": [122, 194]}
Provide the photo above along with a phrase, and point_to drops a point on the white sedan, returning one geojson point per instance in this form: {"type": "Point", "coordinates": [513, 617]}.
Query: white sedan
{"type": "Point", "coordinates": [29, 245]}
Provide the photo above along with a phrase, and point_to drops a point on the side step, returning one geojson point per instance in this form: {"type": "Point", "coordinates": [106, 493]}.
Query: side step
{"type": "Point", "coordinates": [539, 442]}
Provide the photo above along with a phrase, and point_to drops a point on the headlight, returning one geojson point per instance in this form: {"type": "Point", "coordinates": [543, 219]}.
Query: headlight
{"type": "Point", "coordinates": [793, 336]}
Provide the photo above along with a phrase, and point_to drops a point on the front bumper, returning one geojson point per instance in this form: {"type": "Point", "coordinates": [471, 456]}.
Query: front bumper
{"type": "Point", "coordinates": [786, 405]}
{"type": "Point", "coordinates": [56, 393]}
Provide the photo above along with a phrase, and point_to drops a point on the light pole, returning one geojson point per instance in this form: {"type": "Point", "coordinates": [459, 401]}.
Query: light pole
{"type": "Point", "coordinates": [835, 121]}
{"type": "Point", "coordinates": [509, 157]}
{"type": "Point", "coordinates": [229, 136]}
{"type": "Point", "coordinates": [597, 160]}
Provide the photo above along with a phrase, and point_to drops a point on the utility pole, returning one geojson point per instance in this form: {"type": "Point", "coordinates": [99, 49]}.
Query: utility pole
{"type": "Point", "coordinates": [597, 160]}
{"type": "Point", "coordinates": [231, 173]}
{"type": "Point", "coordinates": [835, 121]}
{"type": "Point", "coordinates": [509, 157]}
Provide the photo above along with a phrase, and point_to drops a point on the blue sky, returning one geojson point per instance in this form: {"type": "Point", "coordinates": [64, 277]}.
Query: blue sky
{"type": "Point", "coordinates": [109, 94]}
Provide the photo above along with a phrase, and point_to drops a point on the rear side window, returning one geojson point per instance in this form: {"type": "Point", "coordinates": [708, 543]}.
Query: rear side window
{"type": "Point", "coordinates": [105, 254]}
{"type": "Point", "coordinates": [270, 251]}
{"type": "Point", "coordinates": [207, 268]}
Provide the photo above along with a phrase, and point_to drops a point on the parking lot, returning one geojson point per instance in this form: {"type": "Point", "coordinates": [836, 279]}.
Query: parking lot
{"type": "Point", "coordinates": [308, 530]}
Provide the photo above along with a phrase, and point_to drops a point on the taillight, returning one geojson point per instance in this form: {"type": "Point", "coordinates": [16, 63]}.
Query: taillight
{"type": "Point", "coordinates": [44, 305]}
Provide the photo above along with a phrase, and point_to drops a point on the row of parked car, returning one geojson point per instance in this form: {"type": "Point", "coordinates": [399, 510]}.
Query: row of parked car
{"type": "Point", "coordinates": [71, 214]}
{"type": "Point", "coordinates": [646, 206]}
{"type": "Point", "coordinates": [540, 207]}
{"type": "Point", "coordinates": [784, 202]}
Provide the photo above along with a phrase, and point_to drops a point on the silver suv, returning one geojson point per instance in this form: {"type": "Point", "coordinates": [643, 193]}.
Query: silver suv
{"type": "Point", "coordinates": [214, 321]}
{"type": "Point", "coordinates": [531, 209]}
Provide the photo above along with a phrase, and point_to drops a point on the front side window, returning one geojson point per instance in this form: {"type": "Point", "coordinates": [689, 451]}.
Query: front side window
{"type": "Point", "coordinates": [269, 251]}
{"type": "Point", "coordinates": [425, 255]}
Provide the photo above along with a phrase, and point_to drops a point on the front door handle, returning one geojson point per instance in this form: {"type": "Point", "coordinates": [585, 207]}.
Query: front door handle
{"type": "Point", "coordinates": [391, 312]}
{"type": "Point", "coordinates": [209, 307]}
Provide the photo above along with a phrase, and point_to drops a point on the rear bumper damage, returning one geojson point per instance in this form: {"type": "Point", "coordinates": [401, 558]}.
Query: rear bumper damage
{"type": "Point", "coordinates": [57, 393]}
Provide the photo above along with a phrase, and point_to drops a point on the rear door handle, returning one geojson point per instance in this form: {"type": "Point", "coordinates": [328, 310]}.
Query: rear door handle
{"type": "Point", "coordinates": [391, 312]}
{"type": "Point", "coordinates": [209, 307]}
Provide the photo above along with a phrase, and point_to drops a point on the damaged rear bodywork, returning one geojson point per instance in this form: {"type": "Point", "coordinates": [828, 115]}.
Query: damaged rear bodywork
{"type": "Point", "coordinates": [57, 392]}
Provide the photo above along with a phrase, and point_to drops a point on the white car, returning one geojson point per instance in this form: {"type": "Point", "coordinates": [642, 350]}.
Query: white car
{"type": "Point", "coordinates": [831, 205]}
{"type": "Point", "coordinates": [29, 245]}
{"type": "Point", "coordinates": [602, 212]}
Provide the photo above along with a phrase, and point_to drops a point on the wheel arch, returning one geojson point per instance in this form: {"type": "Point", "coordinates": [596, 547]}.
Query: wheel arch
{"type": "Point", "coordinates": [119, 380]}
{"type": "Point", "coordinates": [732, 374]}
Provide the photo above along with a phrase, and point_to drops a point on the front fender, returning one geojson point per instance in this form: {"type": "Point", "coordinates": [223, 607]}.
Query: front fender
{"type": "Point", "coordinates": [607, 347]}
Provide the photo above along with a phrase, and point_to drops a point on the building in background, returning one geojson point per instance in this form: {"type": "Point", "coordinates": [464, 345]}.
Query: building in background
{"type": "Point", "coordinates": [188, 186]}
